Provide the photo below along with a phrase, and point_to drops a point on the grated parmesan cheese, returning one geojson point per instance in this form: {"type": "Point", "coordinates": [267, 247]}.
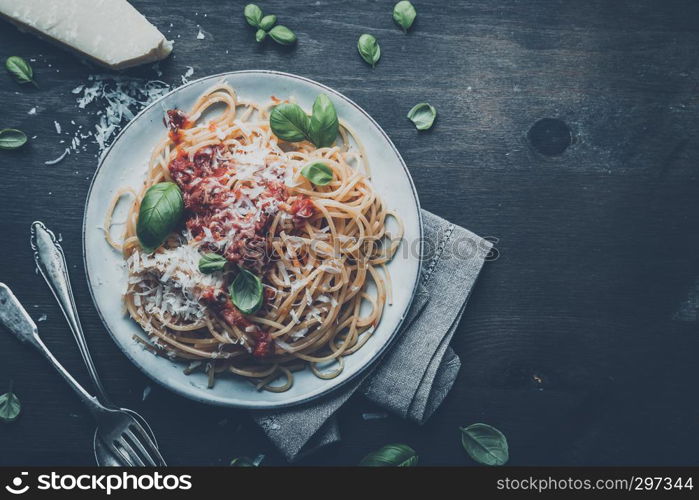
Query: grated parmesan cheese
{"type": "Point", "coordinates": [175, 282]}
{"type": "Point", "coordinates": [299, 333]}
{"type": "Point", "coordinates": [119, 99]}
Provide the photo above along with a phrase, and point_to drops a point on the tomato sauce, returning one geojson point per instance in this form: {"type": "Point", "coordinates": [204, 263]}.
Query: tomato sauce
{"type": "Point", "coordinates": [301, 209]}
{"type": "Point", "coordinates": [176, 121]}
{"type": "Point", "coordinates": [219, 301]}
{"type": "Point", "coordinates": [233, 221]}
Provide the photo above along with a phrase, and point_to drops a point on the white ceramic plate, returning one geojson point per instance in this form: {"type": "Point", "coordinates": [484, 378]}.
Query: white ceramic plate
{"type": "Point", "coordinates": [125, 163]}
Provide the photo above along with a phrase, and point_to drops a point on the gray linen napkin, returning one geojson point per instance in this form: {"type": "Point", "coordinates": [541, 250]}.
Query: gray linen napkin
{"type": "Point", "coordinates": [420, 368]}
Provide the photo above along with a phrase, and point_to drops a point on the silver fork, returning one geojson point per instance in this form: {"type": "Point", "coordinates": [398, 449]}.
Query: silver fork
{"type": "Point", "coordinates": [117, 429]}
{"type": "Point", "coordinates": [51, 262]}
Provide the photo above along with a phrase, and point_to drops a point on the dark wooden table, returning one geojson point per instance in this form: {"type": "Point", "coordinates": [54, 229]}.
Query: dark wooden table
{"type": "Point", "coordinates": [580, 341]}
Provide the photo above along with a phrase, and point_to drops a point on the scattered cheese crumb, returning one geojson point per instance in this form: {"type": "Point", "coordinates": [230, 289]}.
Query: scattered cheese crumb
{"type": "Point", "coordinates": [60, 158]}
{"type": "Point", "coordinates": [188, 73]}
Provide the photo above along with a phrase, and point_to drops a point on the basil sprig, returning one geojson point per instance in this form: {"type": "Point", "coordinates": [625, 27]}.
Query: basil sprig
{"type": "Point", "coordinates": [211, 262]}
{"type": "Point", "coordinates": [324, 125]}
{"type": "Point", "coordinates": [422, 115]}
{"type": "Point", "coordinates": [11, 138]}
{"type": "Point", "coordinates": [318, 173]}
{"type": "Point", "coordinates": [290, 123]}
{"type": "Point", "coordinates": [404, 14]}
{"type": "Point", "coordinates": [10, 407]}
{"type": "Point", "coordinates": [253, 15]}
{"type": "Point", "coordinates": [282, 35]}
{"type": "Point", "coordinates": [485, 444]}
{"type": "Point", "coordinates": [265, 26]}
{"type": "Point", "coordinates": [247, 462]}
{"type": "Point", "coordinates": [21, 70]}
{"type": "Point", "coordinates": [267, 22]}
{"type": "Point", "coordinates": [369, 49]}
{"type": "Point", "coordinates": [160, 212]}
{"type": "Point", "coordinates": [391, 455]}
{"type": "Point", "coordinates": [242, 462]}
{"type": "Point", "coordinates": [246, 292]}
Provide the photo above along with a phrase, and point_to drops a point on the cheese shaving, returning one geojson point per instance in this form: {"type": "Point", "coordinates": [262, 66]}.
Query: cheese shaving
{"type": "Point", "coordinates": [57, 160]}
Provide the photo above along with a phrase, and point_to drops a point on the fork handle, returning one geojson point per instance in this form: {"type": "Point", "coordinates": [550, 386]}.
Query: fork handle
{"type": "Point", "coordinates": [51, 262]}
{"type": "Point", "coordinates": [17, 320]}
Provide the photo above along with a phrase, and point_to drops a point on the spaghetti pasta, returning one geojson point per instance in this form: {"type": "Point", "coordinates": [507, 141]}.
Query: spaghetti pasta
{"type": "Point", "coordinates": [317, 249]}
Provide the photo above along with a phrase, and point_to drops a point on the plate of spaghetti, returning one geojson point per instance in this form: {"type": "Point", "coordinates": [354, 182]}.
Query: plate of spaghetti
{"type": "Point", "coordinates": [252, 239]}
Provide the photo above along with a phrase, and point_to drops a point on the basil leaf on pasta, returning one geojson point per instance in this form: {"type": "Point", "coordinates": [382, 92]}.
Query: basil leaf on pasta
{"type": "Point", "coordinates": [289, 122]}
{"type": "Point", "coordinates": [318, 173]}
{"type": "Point", "coordinates": [11, 138]}
{"type": "Point", "coordinates": [422, 115]}
{"type": "Point", "coordinates": [369, 49]}
{"type": "Point", "coordinates": [485, 444]}
{"type": "Point", "coordinates": [391, 455]}
{"type": "Point", "coordinates": [253, 15]}
{"type": "Point", "coordinates": [211, 262]}
{"type": "Point", "coordinates": [324, 125]}
{"type": "Point", "coordinates": [160, 212]}
{"type": "Point", "coordinates": [404, 14]}
{"type": "Point", "coordinates": [246, 292]}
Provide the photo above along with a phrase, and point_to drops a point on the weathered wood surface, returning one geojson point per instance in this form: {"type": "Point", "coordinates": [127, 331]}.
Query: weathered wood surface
{"type": "Point", "coordinates": [580, 341]}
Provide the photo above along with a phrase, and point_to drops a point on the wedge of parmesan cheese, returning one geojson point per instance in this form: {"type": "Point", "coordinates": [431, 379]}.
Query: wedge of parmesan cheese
{"type": "Point", "coordinates": [110, 32]}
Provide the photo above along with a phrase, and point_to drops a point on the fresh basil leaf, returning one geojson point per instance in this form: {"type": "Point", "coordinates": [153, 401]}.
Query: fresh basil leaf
{"type": "Point", "coordinates": [242, 462]}
{"type": "Point", "coordinates": [391, 455]}
{"type": "Point", "coordinates": [282, 35]}
{"type": "Point", "coordinates": [369, 49]}
{"type": "Point", "coordinates": [246, 292]}
{"type": "Point", "coordinates": [323, 127]}
{"type": "Point", "coordinates": [268, 21]}
{"type": "Point", "coordinates": [20, 69]}
{"type": "Point", "coordinates": [485, 444]}
{"type": "Point", "coordinates": [10, 407]}
{"type": "Point", "coordinates": [11, 138]}
{"type": "Point", "coordinates": [253, 15]}
{"type": "Point", "coordinates": [422, 115]}
{"type": "Point", "coordinates": [260, 35]}
{"type": "Point", "coordinates": [160, 212]}
{"type": "Point", "coordinates": [289, 122]}
{"type": "Point", "coordinates": [318, 173]}
{"type": "Point", "coordinates": [211, 262]}
{"type": "Point", "coordinates": [404, 14]}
